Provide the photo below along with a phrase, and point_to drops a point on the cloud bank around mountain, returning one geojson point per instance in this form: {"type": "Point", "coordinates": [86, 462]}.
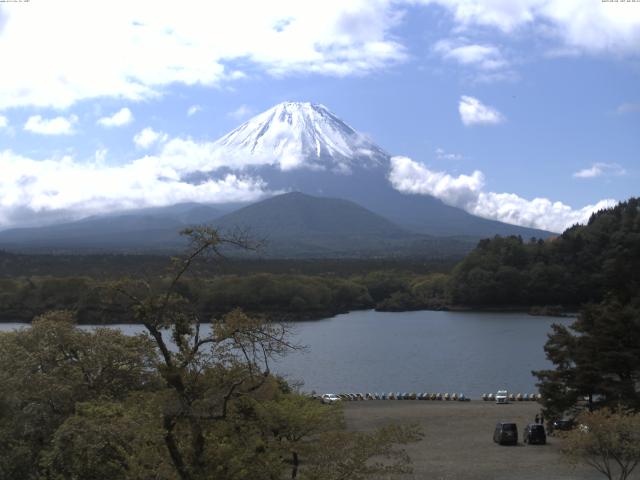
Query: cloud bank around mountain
{"type": "Point", "coordinates": [35, 189]}
{"type": "Point", "coordinates": [467, 192]}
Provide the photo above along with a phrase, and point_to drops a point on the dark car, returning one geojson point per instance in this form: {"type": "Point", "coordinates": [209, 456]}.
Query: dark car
{"type": "Point", "coordinates": [506, 434]}
{"type": "Point", "coordinates": [561, 425]}
{"type": "Point", "coordinates": [534, 434]}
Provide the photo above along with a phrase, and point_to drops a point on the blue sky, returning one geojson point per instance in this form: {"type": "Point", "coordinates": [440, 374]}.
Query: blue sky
{"type": "Point", "coordinates": [540, 98]}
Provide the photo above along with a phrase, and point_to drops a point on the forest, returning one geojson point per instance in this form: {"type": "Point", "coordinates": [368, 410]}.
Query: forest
{"type": "Point", "coordinates": [547, 276]}
{"type": "Point", "coordinates": [579, 266]}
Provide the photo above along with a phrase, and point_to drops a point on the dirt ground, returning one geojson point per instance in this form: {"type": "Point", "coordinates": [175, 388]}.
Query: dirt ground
{"type": "Point", "coordinates": [458, 440]}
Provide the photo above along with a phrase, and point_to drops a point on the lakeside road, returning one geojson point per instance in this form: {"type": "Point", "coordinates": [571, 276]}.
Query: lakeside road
{"type": "Point", "coordinates": [458, 440]}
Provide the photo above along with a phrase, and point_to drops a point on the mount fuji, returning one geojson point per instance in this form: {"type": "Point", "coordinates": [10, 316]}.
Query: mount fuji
{"type": "Point", "coordinates": [304, 147]}
{"type": "Point", "coordinates": [346, 204]}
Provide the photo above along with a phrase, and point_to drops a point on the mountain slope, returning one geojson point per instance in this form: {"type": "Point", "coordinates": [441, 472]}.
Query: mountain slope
{"type": "Point", "coordinates": [295, 135]}
{"type": "Point", "coordinates": [297, 214]}
{"type": "Point", "coordinates": [299, 225]}
{"type": "Point", "coordinates": [304, 147]}
{"type": "Point", "coordinates": [151, 228]}
{"type": "Point", "coordinates": [292, 225]}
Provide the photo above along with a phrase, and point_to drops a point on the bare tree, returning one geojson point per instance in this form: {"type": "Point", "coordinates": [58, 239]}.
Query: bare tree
{"type": "Point", "coordinates": [606, 440]}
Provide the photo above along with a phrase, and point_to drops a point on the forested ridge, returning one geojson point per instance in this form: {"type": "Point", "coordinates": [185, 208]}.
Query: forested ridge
{"type": "Point", "coordinates": [579, 266]}
{"type": "Point", "coordinates": [597, 358]}
{"type": "Point", "coordinates": [278, 296]}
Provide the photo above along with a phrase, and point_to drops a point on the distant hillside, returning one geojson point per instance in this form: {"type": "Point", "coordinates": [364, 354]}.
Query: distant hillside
{"type": "Point", "coordinates": [149, 229]}
{"type": "Point", "coordinates": [299, 215]}
{"type": "Point", "coordinates": [299, 225]}
{"type": "Point", "coordinates": [292, 225]}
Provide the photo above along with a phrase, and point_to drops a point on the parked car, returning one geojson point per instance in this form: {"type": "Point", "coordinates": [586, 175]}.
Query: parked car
{"type": "Point", "coordinates": [506, 433]}
{"type": "Point", "coordinates": [534, 434]}
{"type": "Point", "coordinates": [330, 398]}
{"type": "Point", "coordinates": [561, 424]}
{"type": "Point", "coordinates": [502, 396]}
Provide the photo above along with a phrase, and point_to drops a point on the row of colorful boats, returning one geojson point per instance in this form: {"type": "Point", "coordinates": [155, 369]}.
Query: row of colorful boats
{"type": "Point", "coordinates": [518, 397]}
{"type": "Point", "coordinates": [457, 397]}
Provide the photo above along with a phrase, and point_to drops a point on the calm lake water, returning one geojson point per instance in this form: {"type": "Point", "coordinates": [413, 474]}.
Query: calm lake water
{"type": "Point", "coordinates": [426, 351]}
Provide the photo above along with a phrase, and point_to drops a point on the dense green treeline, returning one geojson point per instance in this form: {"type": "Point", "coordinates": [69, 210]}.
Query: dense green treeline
{"type": "Point", "coordinates": [284, 296]}
{"type": "Point", "coordinates": [579, 266]}
{"type": "Point", "coordinates": [597, 358]}
{"type": "Point", "coordinates": [113, 265]}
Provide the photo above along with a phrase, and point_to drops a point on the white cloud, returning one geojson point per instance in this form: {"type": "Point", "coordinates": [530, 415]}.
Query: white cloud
{"type": "Point", "coordinates": [474, 112]}
{"type": "Point", "coordinates": [412, 177]}
{"type": "Point", "coordinates": [595, 27]}
{"type": "Point", "coordinates": [242, 112]}
{"type": "Point", "coordinates": [441, 154]}
{"type": "Point", "coordinates": [120, 118]}
{"type": "Point", "coordinates": [186, 155]}
{"type": "Point", "coordinates": [134, 53]}
{"type": "Point", "coordinates": [4, 122]}
{"type": "Point", "coordinates": [601, 169]}
{"type": "Point", "coordinates": [467, 192]}
{"type": "Point", "coordinates": [147, 137]}
{"type": "Point", "coordinates": [193, 109]}
{"type": "Point", "coordinates": [485, 57]}
{"type": "Point", "coordinates": [36, 188]}
{"type": "Point", "coordinates": [51, 126]}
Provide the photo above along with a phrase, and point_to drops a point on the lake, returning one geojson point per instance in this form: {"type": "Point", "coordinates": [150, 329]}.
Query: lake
{"type": "Point", "coordinates": [425, 351]}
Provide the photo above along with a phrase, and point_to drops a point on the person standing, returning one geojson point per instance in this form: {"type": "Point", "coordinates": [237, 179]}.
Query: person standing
{"type": "Point", "coordinates": [537, 418]}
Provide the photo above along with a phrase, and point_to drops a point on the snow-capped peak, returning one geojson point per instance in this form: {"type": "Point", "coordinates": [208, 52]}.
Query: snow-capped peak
{"type": "Point", "coordinates": [302, 135]}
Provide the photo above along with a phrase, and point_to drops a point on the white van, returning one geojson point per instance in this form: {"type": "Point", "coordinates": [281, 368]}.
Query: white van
{"type": "Point", "coordinates": [502, 396]}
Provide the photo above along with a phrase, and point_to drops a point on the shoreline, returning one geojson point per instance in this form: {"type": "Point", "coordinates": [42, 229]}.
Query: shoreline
{"type": "Point", "coordinates": [288, 317]}
{"type": "Point", "coordinates": [327, 315]}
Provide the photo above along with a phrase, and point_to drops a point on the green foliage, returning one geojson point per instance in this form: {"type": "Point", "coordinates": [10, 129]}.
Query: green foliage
{"type": "Point", "coordinates": [95, 404]}
{"type": "Point", "coordinates": [606, 440]}
{"type": "Point", "coordinates": [52, 366]}
{"type": "Point", "coordinates": [580, 266]}
{"type": "Point", "coordinates": [79, 404]}
{"type": "Point", "coordinates": [274, 295]}
{"type": "Point", "coordinates": [94, 443]}
{"type": "Point", "coordinates": [597, 358]}
{"type": "Point", "coordinates": [264, 293]}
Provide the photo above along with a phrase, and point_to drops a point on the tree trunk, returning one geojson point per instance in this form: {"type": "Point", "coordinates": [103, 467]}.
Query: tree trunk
{"type": "Point", "coordinates": [174, 452]}
{"type": "Point", "coordinates": [296, 462]}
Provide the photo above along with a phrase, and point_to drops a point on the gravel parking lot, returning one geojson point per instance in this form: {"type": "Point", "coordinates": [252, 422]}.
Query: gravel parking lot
{"type": "Point", "coordinates": [458, 441]}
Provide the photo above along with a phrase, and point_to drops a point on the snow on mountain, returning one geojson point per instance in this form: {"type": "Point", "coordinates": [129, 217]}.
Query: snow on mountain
{"type": "Point", "coordinates": [294, 135]}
